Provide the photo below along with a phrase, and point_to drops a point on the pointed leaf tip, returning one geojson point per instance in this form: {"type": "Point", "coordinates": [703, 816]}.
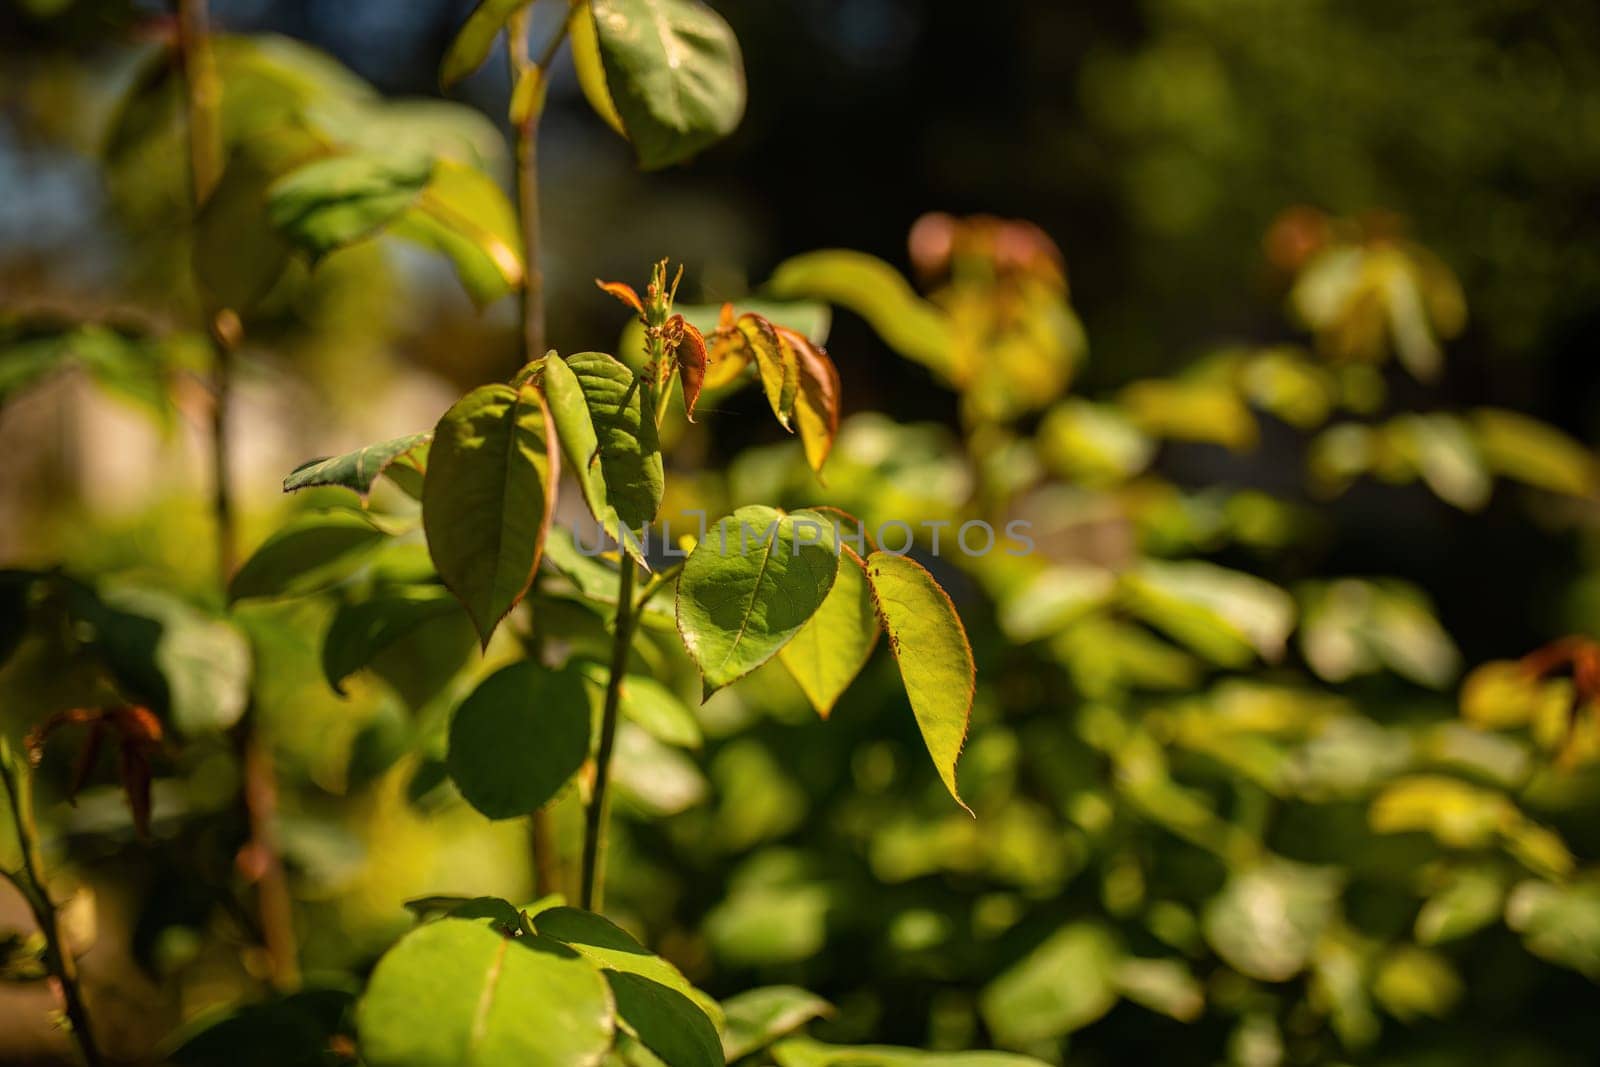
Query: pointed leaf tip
{"type": "Point", "coordinates": [935, 659]}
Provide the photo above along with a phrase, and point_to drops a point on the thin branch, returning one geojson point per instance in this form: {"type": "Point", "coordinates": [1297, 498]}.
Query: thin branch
{"type": "Point", "coordinates": [599, 812]}
{"type": "Point", "coordinates": [30, 882]}
{"type": "Point", "coordinates": [203, 99]}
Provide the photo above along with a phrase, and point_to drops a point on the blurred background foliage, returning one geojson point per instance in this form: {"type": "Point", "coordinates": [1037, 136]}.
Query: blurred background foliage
{"type": "Point", "coordinates": [1292, 473]}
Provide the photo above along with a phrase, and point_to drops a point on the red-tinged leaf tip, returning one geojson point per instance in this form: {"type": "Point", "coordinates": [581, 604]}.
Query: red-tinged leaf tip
{"type": "Point", "coordinates": [725, 318]}
{"type": "Point", "coordinates": [138, 736]}
{"type": "Point", "coordinates": [623, 292]}
{"type": "Point", "coordinates": [691, 364]}
{"type": "Point", "coordinates": [817, 400]}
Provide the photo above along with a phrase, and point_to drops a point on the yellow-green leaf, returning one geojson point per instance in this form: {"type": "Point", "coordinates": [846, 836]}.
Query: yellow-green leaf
{"type": "Point", "coordinates": [476, 37]}
{"type": "Point", "coordinates": [876, 291]}
{"type": "Point", "coordinates": [930, 645]}
{"type": "Point", "coordinates": [830, 650]}
{"type": "Point", "coordinates": [750, 585]}
{"type": "Point", "coordinates": [456, 992]}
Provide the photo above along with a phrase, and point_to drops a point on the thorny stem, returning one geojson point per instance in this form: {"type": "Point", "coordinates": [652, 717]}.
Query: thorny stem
{"type": "Point", "coordinates": [29, 880]}
{"type": "Point", "coordinates": [203, 98]}
{"type": "Point", "coordinates": [599, 812]}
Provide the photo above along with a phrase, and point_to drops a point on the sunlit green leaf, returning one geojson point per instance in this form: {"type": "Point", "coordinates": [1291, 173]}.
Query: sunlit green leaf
{"type": "Point", "coordinates": [1559, 923]}
{"type": "Point", "coordinates": [616, 453]}
{"type": "Point", "coordinates": [830, 650]}
{"type": "Point", "coordinates": [674, 73]}
{"type": "Point", "coordinates": [1519, 447]}
{"type": "Point", "coordinates": [455, 992]}
{"type": "Point", "coordinates": [756, 1018]}
{"type": "Point", "coordinates": [360, 470]}
{"type": "Point", "coordinates": [1266, 921]}
{"type": "Point", "coordinates": [750, 585]}
{"type": "Point", "coordinates": [935, 660]}
{"type": "Point", "coordinates": [878, 293]}
{"type": "Point", "coordinates": [472, 42]}
{"type": "Point", "coordinates": [1063, 985]}
{"type": "Point", "coordinates": [464, 215]}
{"type": "Point", "coordinates": [488, 496]}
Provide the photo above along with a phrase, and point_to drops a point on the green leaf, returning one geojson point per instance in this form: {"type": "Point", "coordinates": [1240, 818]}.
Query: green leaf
{"type": "Point", "coordinates": [465, 216]}
{"type": "Point", "coordinates": [674, 73]}
{"type": "Point", "coordinates": [1560, 923]}
{"type": "Point", "coordinates": [475, 38]}
{"type": "Point", "coordinates": [360, 632]}
{"type": "Point", "coordinates": [312, 552]}
{"type": "Point", "coordinates": [659, 712]}
{"type": "Point", "coordinates": [501, 914]}
{"type": "Point", "coordinates": [1516, 446]}
{"type": "Point", "coordinates": [665, 1021]}
{"type": "Point", "coordinates": [750, 585]}
{"type": "Point", "coordinates": [591, 70]}
{"type": "Point", "coordinates": [333, 202]}
{"type": "Point", "coordinates": [187, 666]}
{"type": "Point", "coordinates": [455, 992]}
{"type": "Point", "coordinates": [488, 496]}
{"type": "Point", "coordinates": [653, 779]}
{"type": "Point", "coordinates": [804, 1052]}
{"type": "Point", "coordinates": [1468, 901]}
{"type": "Point", "coordinates": [830, 650]}
{"type": "Point", "coordinates": [518, 738]}
{"type": "Point", "coordinates": [755, 1019]}
{"type": "Point", "coordinates": [1065, 984]}
{"type": "Point", "coordinates": [238, 254]}
{"type": "Point", "coordinates": [680, 1015]}
{"type": "Point", "coordinates": [1226, 616]}
{"type": "Point", "coordinates": [287, 1031]}
{"type": "Point", "coordinates": [608, 429]}
{"type": "Point", "coordinates": [935, 660]}
{"type": "Point", "coordinates": [1266, 921]}
{"type": "Point", "coordinates": [876, 291]}
{"type": "Point", "coordinates": [360, 470]}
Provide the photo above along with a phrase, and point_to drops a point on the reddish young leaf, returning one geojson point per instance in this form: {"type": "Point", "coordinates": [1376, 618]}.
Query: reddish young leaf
{"type": "Point", "coordinates": [689, 347]}
{"type": "Point", "coordinates": [817, 400]}
{"type": "Point", "coordinates": [623, 292]}
{"type": "Point", "coordinates": [139, 738]}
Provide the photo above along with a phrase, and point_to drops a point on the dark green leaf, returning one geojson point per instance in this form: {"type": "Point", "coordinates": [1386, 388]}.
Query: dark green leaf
{"type": "Point", "coordinates": [312, 552]}
{"type": "Point", "coordinates": [665, 1021]}
{"type": "Point", "coordinates": [360, 632]}
{"type": "Point", "coordinates": [288, 1031]}
{"type": "Point", "coordinates": [519, 737]}
{"type": "Point", "coordinates": [487, 498]}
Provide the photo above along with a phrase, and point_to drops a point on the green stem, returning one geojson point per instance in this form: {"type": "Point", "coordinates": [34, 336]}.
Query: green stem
{"type": "Point", "coordinates": [599, 813]}
{"type": "Point", "coordinates": [30, 882]}
{"type": "Point", "coordinates": [541, 839]}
